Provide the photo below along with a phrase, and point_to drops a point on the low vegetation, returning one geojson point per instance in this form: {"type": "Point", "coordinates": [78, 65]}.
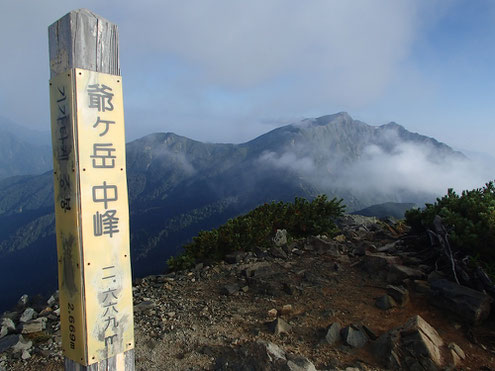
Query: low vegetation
{"type": "Point", "coordinates": [257, 228]}
{"type": "Point", "coordinates": [469, 218]}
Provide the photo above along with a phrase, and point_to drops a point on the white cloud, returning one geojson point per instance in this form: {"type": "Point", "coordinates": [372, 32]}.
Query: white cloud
{"type": "Point", "coordinates": [387, 168]}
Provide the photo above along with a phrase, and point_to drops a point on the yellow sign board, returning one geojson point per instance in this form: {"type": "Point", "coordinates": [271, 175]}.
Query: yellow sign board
{"type": "Point", "coordinates": [92, 215]}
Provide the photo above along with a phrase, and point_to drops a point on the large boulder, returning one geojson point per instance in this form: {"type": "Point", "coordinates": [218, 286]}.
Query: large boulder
{"type": "Point", "coordinates": [414, 346]}
{"type": "Point", "coordinates": [397, 273]}
{"type": "Point", "coordinates": [471, 305]}
{"type": "Point", "coordinates": [379, 262]}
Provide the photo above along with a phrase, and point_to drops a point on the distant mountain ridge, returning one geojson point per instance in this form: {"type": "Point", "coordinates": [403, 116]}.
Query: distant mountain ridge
{"type": "Point", "coordinates": [21, 153]}
{"type": "Point", "coordinates": [178, 186]}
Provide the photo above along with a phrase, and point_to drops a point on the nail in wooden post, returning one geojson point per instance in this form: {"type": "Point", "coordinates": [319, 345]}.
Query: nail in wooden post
{"type": "Point", "coordinates": [91, 205]}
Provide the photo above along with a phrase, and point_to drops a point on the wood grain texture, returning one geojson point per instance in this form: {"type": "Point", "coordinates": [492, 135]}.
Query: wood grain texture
{"type": "Point", "coordinates": [82, 39]}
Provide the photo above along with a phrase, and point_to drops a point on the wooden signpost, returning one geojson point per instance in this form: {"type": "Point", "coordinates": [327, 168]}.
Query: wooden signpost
{"type": "Point", "coordinates": [91, 205]}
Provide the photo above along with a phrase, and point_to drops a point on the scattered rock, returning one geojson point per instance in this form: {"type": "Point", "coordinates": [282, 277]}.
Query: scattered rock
{"type": "Point", "coordinates": [377, 262]}
{"type": "Point", "coordinates": [421, 286]}
{"type": "Point", "coordinates": [235, 257]}
{"type": "Point", "coordinates": [329, 247]}
{"type": "Point", "coordinates": [143, 306]}
{"type": "Point", "coordinates": [470, 305]}
{"type": "Point", "coordinates": [398, 273]}
{"type": "Point", "coordinates": [36, 325]}
{"type": "Point", "coordinates": [414, 346]}
{"type": "Point", "coordinates": [286, 309]}
{"type": "Point", "coordinates": [230, 289]}
{"type": "Point", "coordinates": [280, 237]}
{"type": "Point", "coordinates": [27, 315]}
{"type": "Point", "coordinates": [333, 333]}
{"type": "Point", "coordinates": [371, 334]}
{"type": "Point", "coordinates": [300, 364]}
{"type": "Point", "coordinates": [277, 252]}
{"type": "Point", "coordinates": [279, 326]}
{"type": "Point", "coordinates": [352, 335]}
{"type": "Point", "coordinates": [52, 300]}
{"type": "Point", "coordinates": [15, 342]}
{"type": "Point", "coordinates": [7, 326]}
{"type": "Point", "coordinates": [457, 354]}
{"type": "Point", "coordinates": [390, 247]}
{"type": "Point", "coordinates": [399, 294]}
{"type": "Point", "coordinates": [23, 301]}
{"type": "Point", "coordinates": [274, 351]}
{"type": "Point", "coordinates": [272, 312]}
{"type": "Point", "coordinates": [385, 302]}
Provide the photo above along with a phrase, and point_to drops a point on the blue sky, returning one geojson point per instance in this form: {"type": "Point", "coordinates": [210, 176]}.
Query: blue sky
{"type": "Point", "coordinates": [227, 71]}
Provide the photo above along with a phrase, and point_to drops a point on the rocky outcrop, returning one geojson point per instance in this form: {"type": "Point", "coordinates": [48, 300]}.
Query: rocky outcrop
{"type": "Point", "coordinates": [305, 305]}
{"type": "Point", "coordinates": [471, 305]}
{"type": "Point", "coordinates": [414, 346]}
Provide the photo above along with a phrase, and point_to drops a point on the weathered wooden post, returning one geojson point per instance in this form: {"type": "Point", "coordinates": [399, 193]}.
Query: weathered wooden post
{"type": "Point", "coordinates": [91, 205]}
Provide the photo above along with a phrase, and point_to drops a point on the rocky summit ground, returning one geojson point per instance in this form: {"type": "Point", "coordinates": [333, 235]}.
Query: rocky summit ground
{"type": "Point", "coordinates": [367, 299]}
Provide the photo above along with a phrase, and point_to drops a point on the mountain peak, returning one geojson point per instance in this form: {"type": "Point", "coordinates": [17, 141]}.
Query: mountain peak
{"type": "Point", "coordinates": [337, 118]}
{"type": "Point", "coordinates": [340, 118]}
{"type": "Point", "coordinates": [392, 125]}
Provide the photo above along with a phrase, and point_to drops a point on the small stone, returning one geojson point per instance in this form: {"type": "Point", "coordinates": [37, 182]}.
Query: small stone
{"type": "Point", "coordinates": [399, 294]}
{"type": "Point", "coordinates": [286, 309]}
{"type": "Point", "coordinates": [25, 355]}
{"type": "Point", "coordinates": [143, 306]}
{"type": "Point", "coordinates": [277, 252]}
{"type": "Point", "coordinates": [280, 237]}
{"type": "Point", "coordinates": [421, 286]}
{"type": "Point", "coordinates": [7, 326]}
{"type": "Point", "coordinates": [339, 238]}
{"type": "Point", "coordinates": [230, 289]}
{"type": "Point", "coordinates": [8, 341]}
{"type": "Point", "coordinates": [279, 326]}
{"type": "Point", "coordinates": [273, 351]}
{"type": "Point", "coordinates": [333, 333]}
{"type": "Point", "coordinates": [385, 302]}
{"type": "Point", "coordinates": [353, 336]}
{"type": "Point", "coordinates": [235, 257]}
{"type": "Point", "coordinates": [36, 325]}
{"type": "Point", "coordinates": [27, 315]}
{"type": "Point", "coordinates": [51, 301]}
{"type": "Point", "coordinates": [57, 312]}
{"type": "Point", "coordinates": [300, 364]}
{"type": "Point", "coordinates": [397, 273]}
{"type": "Point", "coordinates": [457, 349]}
{"type": "Point", "coordinates": [272, 312]}
{"type": "Point", "coordinates": [171, 314]}
{"type": "Point", "coordinates": [369, 332]}
{"type": "Point", "coordinates": [23, 301]}
{"type": "Point", "coordinates": [21, 344]}
{"type": "Point", "coordinates": [45, 312]}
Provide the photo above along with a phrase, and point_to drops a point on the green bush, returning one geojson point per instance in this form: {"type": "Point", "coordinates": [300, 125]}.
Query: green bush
{"type": "Point", "coordinates": [469, 218]}
{"type": "Point", "coordinates": [257, 228]}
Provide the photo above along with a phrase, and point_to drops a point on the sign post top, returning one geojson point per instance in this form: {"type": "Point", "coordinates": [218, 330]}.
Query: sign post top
{"type": "Point", "coordinates": [83, 39]}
